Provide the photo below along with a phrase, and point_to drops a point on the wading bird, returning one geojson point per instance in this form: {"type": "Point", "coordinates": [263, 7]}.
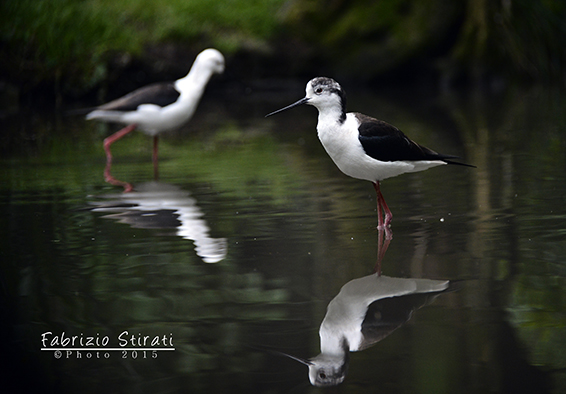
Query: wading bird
{"type": "Point", "coordinates": [363, 147]}
{"type": "Point", "coordinates": [161, 106]}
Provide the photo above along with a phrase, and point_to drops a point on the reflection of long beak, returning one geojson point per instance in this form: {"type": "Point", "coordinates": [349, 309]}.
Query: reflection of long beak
{"type": "Point", "coordinates": [302, 361]}
{"type": "Point", "coordinates": [301, 101]}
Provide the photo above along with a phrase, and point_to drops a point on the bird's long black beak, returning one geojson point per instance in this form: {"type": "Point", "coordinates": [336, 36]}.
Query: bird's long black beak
{"type": "Point", "coordinates": [301, 101]}
{"type": "Point", "coordinates": [301, 360]}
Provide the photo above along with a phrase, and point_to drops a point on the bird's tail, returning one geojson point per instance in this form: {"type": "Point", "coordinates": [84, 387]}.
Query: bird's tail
{"type": "Point", "coordinates": [458, 163]}
{"type": "Point", "coordinates": [79, 111]}
{"type": "Point", "coordinates": [107, 116]}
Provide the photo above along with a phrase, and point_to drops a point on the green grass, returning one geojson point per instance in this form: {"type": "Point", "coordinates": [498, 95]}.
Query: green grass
{"type": "Point", "coordinates": [74, 39]}
{"type": "Point", "coordinates": [73, 42]}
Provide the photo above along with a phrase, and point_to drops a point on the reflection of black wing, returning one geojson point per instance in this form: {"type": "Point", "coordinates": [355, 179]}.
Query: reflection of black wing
{"type": "Point", "coordinates": [386, 315]}
{"type": "Point", "coordinates": [163, 218]}
{"type": "Point", "coordinates": [162, 94]}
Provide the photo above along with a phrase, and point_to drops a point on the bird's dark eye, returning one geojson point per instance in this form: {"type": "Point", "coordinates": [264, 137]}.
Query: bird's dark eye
{"type": "Point", "coordinates": [318, 90]}
{"type": "Point", "coordinates": [322, 375]}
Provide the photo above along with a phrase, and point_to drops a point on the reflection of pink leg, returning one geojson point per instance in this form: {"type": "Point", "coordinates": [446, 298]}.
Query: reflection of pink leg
{"type": "Point", "coordinates": [115, 137]}
{"type": "Point", "coordinates": [113, 181]}
{"type": "Point", "coordinates": [388, 214]}
{"type": "Point", "coordinates": [381, 224]}
{"type": "Point", "coordinates": [382, 246]}
{"type": "Point", "coordinates": [379, 217]}
{"type": "Point", "coordinates": [154, 158]}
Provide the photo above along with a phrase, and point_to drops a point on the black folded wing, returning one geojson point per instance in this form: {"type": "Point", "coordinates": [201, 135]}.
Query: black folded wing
{"type": "Point", "coordinates": [162, 94]}
{"type": "Point", "coordinates": [386, 142]}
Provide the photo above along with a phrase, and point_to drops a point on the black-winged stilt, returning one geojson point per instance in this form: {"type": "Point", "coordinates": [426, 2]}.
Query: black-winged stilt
{"type": "Point", "coordinates": [363, 147]}
{"type": "Point", "coordinates": [160, 106]}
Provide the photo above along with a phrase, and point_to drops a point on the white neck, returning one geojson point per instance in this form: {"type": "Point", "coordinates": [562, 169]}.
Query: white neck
{"type": "Point", "coordinates": [193, 84]}
{"type": "Point", "coordinates": [332, 343]}
{"type": "Point", "coordinates": [329, 115]}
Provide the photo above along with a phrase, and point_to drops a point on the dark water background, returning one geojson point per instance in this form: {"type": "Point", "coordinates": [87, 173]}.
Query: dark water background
{"type": "Point", "coordinates": [251, 230]}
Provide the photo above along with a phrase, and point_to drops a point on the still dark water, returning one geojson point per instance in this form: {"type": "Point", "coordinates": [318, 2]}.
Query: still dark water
{"type": "Point", "coordinates": [234, 254]}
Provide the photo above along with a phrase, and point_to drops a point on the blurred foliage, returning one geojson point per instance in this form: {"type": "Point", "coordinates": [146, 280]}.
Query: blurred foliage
{"type": "Point", "coordinates": [521, 36]}
{"type": "Point", "coordinates": [72, 43]}
{"type": "Point", "coordinates": [370, 37]}
{"type": "Point", "coordinates": [471, 38]}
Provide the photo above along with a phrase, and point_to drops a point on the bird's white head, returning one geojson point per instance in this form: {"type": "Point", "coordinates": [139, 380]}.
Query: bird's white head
{"type": "Point", "coordinates": [211, 59]}
{"type": "Point", "coordinates": [208, 62]}
{"type": "Point", "coordinates": [324, 94]}
{"type": "Point", "coordinates": [328, 370]}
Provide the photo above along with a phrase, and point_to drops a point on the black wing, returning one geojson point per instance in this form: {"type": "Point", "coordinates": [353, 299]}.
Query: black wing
{"type": "Point", "coordinates": [386, 315]}
{"type": "Point", "coordinates": [386, 142]}
{"type": "Point", "coordinates": [161, 94]}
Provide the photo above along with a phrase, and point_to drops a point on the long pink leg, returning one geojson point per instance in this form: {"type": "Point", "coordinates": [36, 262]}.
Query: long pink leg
{"type": "Point", "coordinates": [115, 137]}
{"type": "Point", "coordinates": [381, 224]}
{"type": "Point", "coordinates": [154, 158]}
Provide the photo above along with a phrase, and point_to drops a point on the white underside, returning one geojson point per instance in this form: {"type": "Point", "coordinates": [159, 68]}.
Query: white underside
{"type": "Point", "coordinates": [150, 118]}
{"type": "Point", "coordinates": [343, 146]}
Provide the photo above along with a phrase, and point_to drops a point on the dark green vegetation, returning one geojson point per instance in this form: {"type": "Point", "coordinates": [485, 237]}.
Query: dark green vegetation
{"type": "Point", "coordinates": [76, 45]}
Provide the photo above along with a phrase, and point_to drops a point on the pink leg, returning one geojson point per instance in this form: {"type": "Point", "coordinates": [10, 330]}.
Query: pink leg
{"type": "Point", "coordinates": [154, 157]}
{"type": "Point", "coordinates": [115, 137]}
{"type": "Point", "coordinates": [381, 224]}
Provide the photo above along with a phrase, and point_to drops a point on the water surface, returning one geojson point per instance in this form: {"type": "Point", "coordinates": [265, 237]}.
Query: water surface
{"type": "Point", "coordinates": [235, 252]}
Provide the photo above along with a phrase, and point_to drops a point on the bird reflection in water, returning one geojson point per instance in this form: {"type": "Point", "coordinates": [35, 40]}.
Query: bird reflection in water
{"type": "Point", "coordinates": [165, 206]}
{"type": "Point", "coordinates": [365, 311]}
